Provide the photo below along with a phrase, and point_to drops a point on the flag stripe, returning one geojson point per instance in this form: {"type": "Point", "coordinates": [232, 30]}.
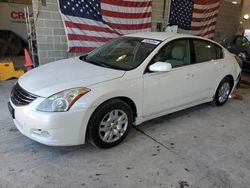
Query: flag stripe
{"type": "Point", "coordinates": [88, 38]}
{"type": "Point", "coordinates": [197, 17]}
{"type": "Point", "coordinates": [108, 13]}
{"type": "Point", "coordinates": [204, 11]}
{"type": "Point", "coordinates": [206, 2]}
{"type": "Point", "coordinates": [130, 26]}
{"type": "Point", "coordinates": [195, 28]}
{"type": "Point", "coordinates": [128, 4]}
{"type": "Point", "coordinates": [91, 33]}
{"type": "Point", "coordinates": [128, 22]}
{"type": "Point", "coordinates": [207, 33]}
{"type": "Point", "coordinates": [79, 49]}
{"type": "Point", "coordinates": [89, 24]}
{"type": "Point", "coordinates": [205, 15]}
{"type": "Point", "coordinates": [200, 32]}
{"type": "Point", "coordinates": [88, 27]}
{"type": "Point", "coordinates": [125, 9]}
{"type": "Point", "coordinates": [199, 24]}
{"type": "Point", "coordinates": [204, 19]}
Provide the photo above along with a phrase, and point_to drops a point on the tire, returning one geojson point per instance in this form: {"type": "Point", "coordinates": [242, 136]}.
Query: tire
{"type": "Point", "coordinates": [223, 91]}
{"type": "Point", "coordinates": [109, 124]}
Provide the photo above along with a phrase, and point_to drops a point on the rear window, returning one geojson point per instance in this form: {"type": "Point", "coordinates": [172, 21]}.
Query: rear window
{"type": "Point", "coordinates": [206, 51]}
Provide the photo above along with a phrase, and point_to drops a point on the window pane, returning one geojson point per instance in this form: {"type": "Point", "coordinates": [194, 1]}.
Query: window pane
{"type": "Point", "coordinates": [204, 50]}
{"type": "Point", "coordinates": [125, 53]}
{"type": "Point", "coordinates": [176, 53]}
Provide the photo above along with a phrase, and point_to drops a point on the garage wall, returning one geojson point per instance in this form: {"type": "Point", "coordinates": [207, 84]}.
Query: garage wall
{"type": "Point", "coordinates": [246, 10]}
{"type": "Point", "coordinates": [160, 14]}
{"type": "Point", "coordinates": [51, 39]}
{"type": "Point", "coordinates": [228, 20]}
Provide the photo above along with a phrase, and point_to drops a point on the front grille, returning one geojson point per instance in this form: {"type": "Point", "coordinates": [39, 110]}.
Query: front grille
{"type": "Point", "coordinates": [21, 97]}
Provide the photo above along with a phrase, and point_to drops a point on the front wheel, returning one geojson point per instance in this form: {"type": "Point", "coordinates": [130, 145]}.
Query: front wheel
{"type": "Point", "coordinates": [223, 91]}
{"type": "Point", "coordinates": [110, 124]}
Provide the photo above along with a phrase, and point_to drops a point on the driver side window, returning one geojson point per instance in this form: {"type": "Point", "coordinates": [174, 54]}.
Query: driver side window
{"type": "Point", "coordinates": [176, 53]}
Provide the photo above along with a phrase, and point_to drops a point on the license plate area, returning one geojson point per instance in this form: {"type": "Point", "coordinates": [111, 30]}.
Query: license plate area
{"type": "Point", "coordinates": [12, 110]}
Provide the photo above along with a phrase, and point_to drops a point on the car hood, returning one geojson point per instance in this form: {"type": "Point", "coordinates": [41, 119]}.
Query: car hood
{"type": "Point", "coordinates": [54, 77]}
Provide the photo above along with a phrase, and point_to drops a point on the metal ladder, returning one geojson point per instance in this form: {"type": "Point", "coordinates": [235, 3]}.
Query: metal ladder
{"type": "Point", "coordinates": [31, 33]}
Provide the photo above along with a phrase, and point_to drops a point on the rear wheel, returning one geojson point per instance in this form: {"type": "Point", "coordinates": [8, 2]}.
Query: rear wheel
{"type": "Point", "coordinates": [223, 92]}
{"type": "Point", "coordinates": [110, 124]}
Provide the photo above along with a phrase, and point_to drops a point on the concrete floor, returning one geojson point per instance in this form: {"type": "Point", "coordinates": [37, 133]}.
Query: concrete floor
{"type": "Point", "coordinates": [202, 147]}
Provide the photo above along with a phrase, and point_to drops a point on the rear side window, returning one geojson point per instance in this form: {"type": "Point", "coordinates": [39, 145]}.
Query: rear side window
{"type": "Point", "coordinates": [204, 51]}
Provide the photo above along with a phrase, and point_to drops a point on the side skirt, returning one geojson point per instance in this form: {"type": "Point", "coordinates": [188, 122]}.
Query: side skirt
{"type": "Point", "coordinates": [142, 119]}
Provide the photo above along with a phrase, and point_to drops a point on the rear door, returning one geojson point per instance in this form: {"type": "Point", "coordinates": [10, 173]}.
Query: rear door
{"type": "Point", "coordinates": [207, 66]}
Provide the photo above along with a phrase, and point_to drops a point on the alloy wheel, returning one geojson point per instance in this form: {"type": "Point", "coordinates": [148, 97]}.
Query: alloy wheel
{"type": "Point", "coordinates": [113, 126]}
{"type": "Point", "coordinates": [224, 92]}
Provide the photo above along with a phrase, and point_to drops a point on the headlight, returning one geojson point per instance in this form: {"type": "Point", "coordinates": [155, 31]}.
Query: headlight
{"type": "Point", "coordinates": [61, 102]}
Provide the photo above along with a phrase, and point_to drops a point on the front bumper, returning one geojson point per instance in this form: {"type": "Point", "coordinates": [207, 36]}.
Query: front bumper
{"type": "Point", "coordinates": [51, 128]}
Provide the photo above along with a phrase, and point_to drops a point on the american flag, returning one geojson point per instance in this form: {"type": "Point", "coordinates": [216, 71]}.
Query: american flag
{"type": "Point", "coordinates": [196, 17]}
{"type": "Point", "coordinates": [91, 23]}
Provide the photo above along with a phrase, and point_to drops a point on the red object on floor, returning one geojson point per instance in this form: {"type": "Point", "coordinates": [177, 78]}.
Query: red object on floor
{"type": "Point", "coordinates": [28, 61]}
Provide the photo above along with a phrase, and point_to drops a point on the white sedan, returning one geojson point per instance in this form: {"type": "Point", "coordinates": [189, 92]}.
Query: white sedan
{"type": "Point", "coordinates": [127, 81]}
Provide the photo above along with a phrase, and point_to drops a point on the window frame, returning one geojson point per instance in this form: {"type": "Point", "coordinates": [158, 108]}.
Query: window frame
{"type": "Point", "coordinates": [218, 57]}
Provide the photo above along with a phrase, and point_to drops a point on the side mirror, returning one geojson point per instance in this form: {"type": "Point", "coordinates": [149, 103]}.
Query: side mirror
{"type": "Point", "coordinates": [160, 67]}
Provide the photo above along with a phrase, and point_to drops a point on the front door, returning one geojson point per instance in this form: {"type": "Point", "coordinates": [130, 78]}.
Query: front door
{"type": "Point", "coordinates": [165, 91]}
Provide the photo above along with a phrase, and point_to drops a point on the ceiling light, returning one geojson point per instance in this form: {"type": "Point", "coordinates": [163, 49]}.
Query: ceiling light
{"type": "Point", "coordinates": [235, 2]}
{"type": "Point", "coordinates": [246, 17]}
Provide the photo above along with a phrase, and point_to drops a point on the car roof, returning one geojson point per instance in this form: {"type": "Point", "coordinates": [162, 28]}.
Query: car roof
{"type": "Point", "coordinates": [158, 35]}
{"type": "Point", "coordinates": [162, 36]}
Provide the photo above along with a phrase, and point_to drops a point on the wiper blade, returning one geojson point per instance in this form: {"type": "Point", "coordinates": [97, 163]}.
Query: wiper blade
{"type": "Point", "coordinates": [103, 64]}
{"type": "Point", "coordinates": [97, 63]}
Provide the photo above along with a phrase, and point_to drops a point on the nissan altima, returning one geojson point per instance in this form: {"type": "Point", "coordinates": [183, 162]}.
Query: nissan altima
{"type": "Point", "coordinates": [129, 80]}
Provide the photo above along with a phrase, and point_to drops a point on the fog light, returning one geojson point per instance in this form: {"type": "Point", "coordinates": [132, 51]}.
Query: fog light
{"type": "Point", "coordinates": [41, 132]}
{"type": "Point", "coordinates": [45, 134]}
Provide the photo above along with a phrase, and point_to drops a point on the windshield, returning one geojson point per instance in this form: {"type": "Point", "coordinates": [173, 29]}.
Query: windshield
{"type": "Point", "coordinates": [125, 53]}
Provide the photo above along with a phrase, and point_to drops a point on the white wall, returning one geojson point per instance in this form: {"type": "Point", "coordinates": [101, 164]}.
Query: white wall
{"type": "Point", "coordinates": [13, 18]}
